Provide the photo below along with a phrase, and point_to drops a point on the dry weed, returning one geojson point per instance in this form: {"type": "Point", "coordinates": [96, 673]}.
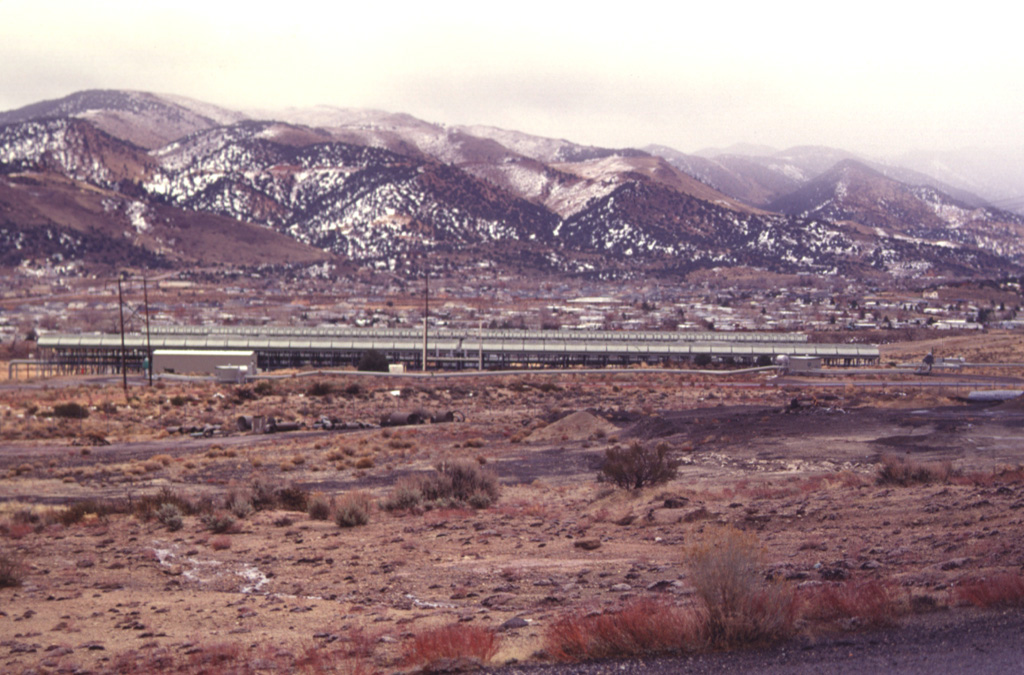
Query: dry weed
{"type": "Point", "coordinates": [353, 509]}
{"type": "Point", "coordinates": [638, 466]}
{"type": "Point", "coordinates": [868, 603]}
{"type": "Point", "coordinates": [742, 608]}
{"type": "Point", "coordinates": [318, 507]}
{"type": "Point", "coordinates": [455, 641]}
{"type": "Point", "coordinates": [647, 626]}
{"type": "Point", "coordinates": [220, 543]}
{"type": "Point", "coordinates": [903, 472]}
{"type": "Point", "coordinates": [12, 570]}
{"type": "Point", "coordinates": [1001, 590]}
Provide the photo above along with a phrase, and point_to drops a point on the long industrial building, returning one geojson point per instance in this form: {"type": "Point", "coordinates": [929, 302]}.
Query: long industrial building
{"type": "Point", "coordinates": [341, 347]}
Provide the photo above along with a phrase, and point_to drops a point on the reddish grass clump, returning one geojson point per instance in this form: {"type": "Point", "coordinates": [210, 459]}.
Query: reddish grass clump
{"type": "Point", "coordinates": [454, 641]}
{"type": "Point", "coordinates": [647, 626]}
{"type": "Point", "coordinates": [17, 530]}
{"type": "Point", "coordinates": [227, 658]}
{"type": "Point", "coordinates": [1000, 476]}
{"type": "Point", "coordinates": [215, 657]}
{"type": "Point", "coordinates": [220, 543]}
{"type": "Point", "coordinates": [1002, 590]}
{"type": "Point", "coordinates": [871, 603]}
{"type": "Point", "coordinates": [318, 661]}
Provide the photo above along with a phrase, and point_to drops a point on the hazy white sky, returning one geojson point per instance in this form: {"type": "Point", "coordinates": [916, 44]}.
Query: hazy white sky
{"type": "Point", "coordinates": [877, 77]}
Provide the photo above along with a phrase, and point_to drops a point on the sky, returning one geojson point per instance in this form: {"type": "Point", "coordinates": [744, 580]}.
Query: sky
{"type": "Point", "coordinates": [878, 78]}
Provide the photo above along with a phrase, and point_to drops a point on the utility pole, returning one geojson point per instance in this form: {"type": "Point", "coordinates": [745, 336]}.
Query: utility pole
{"type": "Point", "coordinates": [426, 313]}
{"type": "Point", "coordinates": [149, 346]}
{"type": "Point", "coordinates": [120, 311]}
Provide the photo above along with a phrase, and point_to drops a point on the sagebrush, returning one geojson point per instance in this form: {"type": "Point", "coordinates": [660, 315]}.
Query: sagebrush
{"type": "Point", "coordinates": [318, 507]}
{"type": "Point", "coordinates": [455, 483]}
{"type": "Point", "coordinates": [638, 466]}
{"type": "Point", "coordinates": [742, 607]}
{"type": "Point", "coordinates": [353, 509]}
{"type": "Point", "coordinates": [12, 570]}
{"type": "Point", "coordinates": [169, 516]}
{"type": "Point", "coordinates": [903, 471]}
{"type": "Point", "coordinates": [405, 495]}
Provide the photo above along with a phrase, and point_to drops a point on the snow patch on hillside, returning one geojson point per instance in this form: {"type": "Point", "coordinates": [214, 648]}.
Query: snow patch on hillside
{"type": "Point", "coordinates": [137, 217]}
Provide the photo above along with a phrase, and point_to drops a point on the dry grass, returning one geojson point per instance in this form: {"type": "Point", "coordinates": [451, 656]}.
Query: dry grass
{"type": "Point", "coordinates": [871, 603]}
{"type": "Point", "coordinates": [1003, 475]}
{"type": "Point", "coordinates": [1001, 590]}
{"type": "Point", "coordinates": [318, 507]}
{"type": "Point", "coordinates": [405, 495]}
{"type": "Point", "coordinates": [647, 626]}
{"type": "Point", "coordinates": [804, 514]}
{"type": "Point", "coordinates": [458, 483]}
{"type": "Point", "coordinates": [736, 610]}
{"type": "Point", "coordinates": [233, 658]}
{"type": "Point", "coordinates": [220, 522]}
{"type": "Point", "coordinates": [353, 509]}
{"type": "Point", "coordinates": [903, 472]}
{"type": "Point", "coordinates": [455, 641]}
{"type": "Point", "coordinates": [12, 570]}
{"type": "Point", "coordinates": [742, 608]}
{"type": "Point", "coordinates": [220, 543]}
{"type": "Point", "coordinates": [737, 607]}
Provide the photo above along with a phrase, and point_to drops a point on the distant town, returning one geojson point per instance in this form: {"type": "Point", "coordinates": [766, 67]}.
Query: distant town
{"type": "Point", "coordinates": [34, 304]}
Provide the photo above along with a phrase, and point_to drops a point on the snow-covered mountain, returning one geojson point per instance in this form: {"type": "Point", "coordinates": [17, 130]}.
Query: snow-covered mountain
{"type": "Point", "coordinates": [851, 191]}
{"type": "Point", "coordinates": [144, 119]}
{"type": "Point", "coordinates": [386, 189]}
{"type": "Point", "coordinates": [997, 175]}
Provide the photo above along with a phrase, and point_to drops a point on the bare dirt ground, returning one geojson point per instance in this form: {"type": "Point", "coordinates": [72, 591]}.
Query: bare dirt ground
{"type": "Point", "coordinates": [994, 347]}
{"type": "Point", "coordinates": [795, 465]}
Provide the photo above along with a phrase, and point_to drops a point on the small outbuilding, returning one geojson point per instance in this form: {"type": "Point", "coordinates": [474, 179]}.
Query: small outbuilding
{"type": "Point", "coordinates": [194, 361]}
{"type": "Point", "coordinates": [803, 364]}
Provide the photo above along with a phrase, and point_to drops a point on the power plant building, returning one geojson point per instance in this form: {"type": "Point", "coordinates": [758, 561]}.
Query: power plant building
{"type": "Point", "coordinates": [342, 347]}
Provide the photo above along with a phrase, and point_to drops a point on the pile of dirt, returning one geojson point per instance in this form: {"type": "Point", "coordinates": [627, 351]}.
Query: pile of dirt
{"type": "Point", "coordinates": [1013, 404]}
{"type": "Point", "coordinates": [578, 426]}
{"type": "Point", "coordinates": [699, 420]}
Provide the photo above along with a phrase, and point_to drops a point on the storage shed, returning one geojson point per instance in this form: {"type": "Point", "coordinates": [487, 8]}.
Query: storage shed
{"type": "Point", "coordinates": [800, 363]}
{"type": "Point", "coordinates": [183, 361]}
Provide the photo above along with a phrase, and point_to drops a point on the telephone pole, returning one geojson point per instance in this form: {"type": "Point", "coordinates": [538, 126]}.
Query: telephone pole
{"type": "Point", "coordinates": [149, 346]}
{"type": "Point", "coordinates": [120, 311]}
{"type": "Point", "coordinates": [426, 313]}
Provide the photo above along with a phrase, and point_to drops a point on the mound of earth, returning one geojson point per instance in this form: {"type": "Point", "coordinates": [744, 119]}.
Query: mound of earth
{"type": "Point", "coordinates": [1013, 404]}
{"type": "Point", "coordinates": [578, 426]}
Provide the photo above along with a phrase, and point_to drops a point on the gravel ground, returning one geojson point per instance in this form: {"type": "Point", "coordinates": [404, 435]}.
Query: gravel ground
{"type": "Point", "coordinates": [944, 642]}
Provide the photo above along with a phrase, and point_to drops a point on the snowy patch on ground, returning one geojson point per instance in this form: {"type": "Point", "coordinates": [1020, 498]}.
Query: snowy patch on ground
{"type": "Point", "coordinates": [244, 577]}
{"type": "Point", "coordinates": [137, 216]}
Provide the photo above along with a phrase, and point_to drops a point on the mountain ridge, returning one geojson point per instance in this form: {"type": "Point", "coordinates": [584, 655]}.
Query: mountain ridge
{"type": "Point", "coordinates": [382, 188]}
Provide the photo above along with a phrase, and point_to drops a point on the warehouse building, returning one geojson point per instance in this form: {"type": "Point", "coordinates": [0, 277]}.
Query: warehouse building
{"type": "Point", "coordinates": [278, 347]}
